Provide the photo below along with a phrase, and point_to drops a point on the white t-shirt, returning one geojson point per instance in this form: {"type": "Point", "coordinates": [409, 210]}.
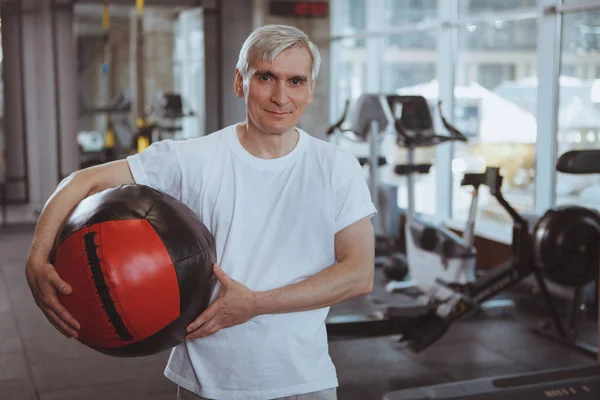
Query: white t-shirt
{"type": "Point", "coordinates": [274, 223]}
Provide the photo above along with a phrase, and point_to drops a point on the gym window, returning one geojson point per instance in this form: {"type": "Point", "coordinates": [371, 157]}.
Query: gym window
{"type": "Point", "coordinates": [493, 70]}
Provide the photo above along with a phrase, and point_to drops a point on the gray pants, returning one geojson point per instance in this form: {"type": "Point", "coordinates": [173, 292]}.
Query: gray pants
{"type": "Point", "coordinates": [326, 394]}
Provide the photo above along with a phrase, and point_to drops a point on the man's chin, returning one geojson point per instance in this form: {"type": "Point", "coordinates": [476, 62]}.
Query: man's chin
{"type": "Point", "coordinates": [278, 127]}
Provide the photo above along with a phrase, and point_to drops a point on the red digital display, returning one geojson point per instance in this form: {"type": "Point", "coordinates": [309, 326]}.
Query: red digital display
{"type": "Point", "coordinates": [302, 9]}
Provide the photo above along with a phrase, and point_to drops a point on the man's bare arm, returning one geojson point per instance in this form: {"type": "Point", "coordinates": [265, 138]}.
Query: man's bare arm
{"type": "Point", "coordinates": [68, 194]}
{"type": "Point", "coordinates": [43, 279]}
{"type": "Point", "coordinates": [352, 276]}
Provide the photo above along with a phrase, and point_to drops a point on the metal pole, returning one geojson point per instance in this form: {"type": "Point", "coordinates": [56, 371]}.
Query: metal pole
{"type": "Point", "coordinates": [57, 105]}
{"type": "Point", "coordinates": [410, 184]}
{"type": "Point", "coordinates": [374, 168]}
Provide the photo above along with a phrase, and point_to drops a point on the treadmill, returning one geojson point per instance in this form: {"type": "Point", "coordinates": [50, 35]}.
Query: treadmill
{"type": "Point", "coordinates": [578, 383]}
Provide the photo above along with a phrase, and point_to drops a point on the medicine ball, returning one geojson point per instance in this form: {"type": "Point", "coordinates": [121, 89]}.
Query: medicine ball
{"type": "Point", "coordinates": [140, 265]}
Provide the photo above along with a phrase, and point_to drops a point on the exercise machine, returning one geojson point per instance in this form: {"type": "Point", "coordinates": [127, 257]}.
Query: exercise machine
{"type": "Point", "coordinates": [579, 383]}
{"type": "Point", "coordinates": [563, 246]}
{"type": "Point", "coordinates": [160, 121]}
{"type": "Point", "coordinates": [432, 250]}
{"type": "Point", "coordinates": [437, 252]}
{"type": "Point", "coordinates": [386, 223]}
{"type": "Point", "coordinates": [575, 162]}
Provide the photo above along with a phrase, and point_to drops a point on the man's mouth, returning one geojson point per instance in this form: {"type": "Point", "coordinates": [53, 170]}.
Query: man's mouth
{"type": "Point", "coordinates": [278, 112]}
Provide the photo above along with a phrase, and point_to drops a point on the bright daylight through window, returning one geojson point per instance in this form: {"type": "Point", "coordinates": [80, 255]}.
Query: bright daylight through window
{"type": "Point", "coordinates": [495, 93]}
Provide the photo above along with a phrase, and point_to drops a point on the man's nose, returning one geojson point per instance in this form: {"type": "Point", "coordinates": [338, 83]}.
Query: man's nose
{"type": "Point", "coordinates": [279, 95]}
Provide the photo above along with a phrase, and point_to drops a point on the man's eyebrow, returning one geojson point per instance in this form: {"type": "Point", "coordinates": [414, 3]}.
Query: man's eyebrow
{"type": "Point", "coordinates": [300, 78]}
{"type": "Point", "coordinates": [273, 75]}
{"type": "Point", "coordinates": [264, 73]}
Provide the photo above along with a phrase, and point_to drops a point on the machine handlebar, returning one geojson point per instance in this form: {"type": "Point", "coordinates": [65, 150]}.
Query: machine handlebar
{"type": "Point", "coordinates": [338, 125]}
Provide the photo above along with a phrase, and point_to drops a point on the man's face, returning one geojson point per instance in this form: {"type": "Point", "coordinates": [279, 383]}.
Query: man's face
{"type": "Point", "coordinates": [277, 93]}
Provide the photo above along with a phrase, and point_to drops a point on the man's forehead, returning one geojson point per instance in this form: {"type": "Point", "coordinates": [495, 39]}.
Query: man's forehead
{"type": "Point", "coordinates": [291, 61]}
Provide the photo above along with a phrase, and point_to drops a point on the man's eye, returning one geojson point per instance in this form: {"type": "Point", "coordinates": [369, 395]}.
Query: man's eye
{"type": "Point", "coordinates": [297, 81]}
{"type": "Point", "coordinates": [265, 78]}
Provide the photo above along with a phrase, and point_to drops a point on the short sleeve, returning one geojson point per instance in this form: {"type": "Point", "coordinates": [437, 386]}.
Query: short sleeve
{"type": "Point", "coordinates": [352, 196]}
{"type": "Point", "coordinates": [158, 167]}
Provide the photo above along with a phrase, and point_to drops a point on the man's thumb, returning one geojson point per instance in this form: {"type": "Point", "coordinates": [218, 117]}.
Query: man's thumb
{"type": "Point", "coordinates": [219, 273]}
{"type": "Point", "coordinates": [60, 285]}
{"type": "Point", "coordinates": [66, 288]}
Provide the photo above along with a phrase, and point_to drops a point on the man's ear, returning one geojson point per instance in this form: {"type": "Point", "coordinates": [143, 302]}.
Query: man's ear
{"type": "Point", "coordinates": [238, 84]}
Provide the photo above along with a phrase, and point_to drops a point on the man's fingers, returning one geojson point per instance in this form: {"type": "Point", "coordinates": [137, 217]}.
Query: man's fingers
{"type": "Point", "coordinates": [62, 332]}
{"type": "Point", "coordinates": [61, 313]}
{"type": "Point", "coordinates": [59, 285]}
{"type": "Point", "coordinates": [56, 284]}
{"type": "Point", "coordinates": [59, 324]}
{"type": "Point", "coordinates": [45, 283]}
{"type": "Point", "coordinates": [208, 314]}
{"type": "Point", "coordinates": [209, 328]}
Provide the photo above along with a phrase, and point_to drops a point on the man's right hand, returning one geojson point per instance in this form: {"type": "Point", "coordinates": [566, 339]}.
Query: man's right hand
{"type": "Point", "coordinates": [45, 283]}
{"type": "Point", "coordinates": [42, 277]}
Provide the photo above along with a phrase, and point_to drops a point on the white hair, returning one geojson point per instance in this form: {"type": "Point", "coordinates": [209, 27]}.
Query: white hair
{"type": "Point", "coordinates": [268, 41]}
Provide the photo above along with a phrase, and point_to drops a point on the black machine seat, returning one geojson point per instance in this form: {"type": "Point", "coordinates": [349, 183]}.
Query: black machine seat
{"type": "Point", "coordinates": [579, 383]}
{"type": "Point", "coordinates": [579, 162]}
{"type": "Point", "coordinates": [415, 126]}
{"type": "Point", "coordinates": [404, 169]}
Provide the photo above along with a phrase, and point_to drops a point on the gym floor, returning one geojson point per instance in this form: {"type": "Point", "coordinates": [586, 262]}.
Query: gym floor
{"type": "Point", "coordinates": [36, 362]}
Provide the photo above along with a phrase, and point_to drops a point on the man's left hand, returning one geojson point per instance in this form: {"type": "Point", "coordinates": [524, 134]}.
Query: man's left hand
{"type": "Point", "coordinates": [235, 305]}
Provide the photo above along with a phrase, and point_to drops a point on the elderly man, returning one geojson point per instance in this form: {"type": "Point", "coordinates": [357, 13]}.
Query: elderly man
{"type": "Point", "coordinates": [291, 217]}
